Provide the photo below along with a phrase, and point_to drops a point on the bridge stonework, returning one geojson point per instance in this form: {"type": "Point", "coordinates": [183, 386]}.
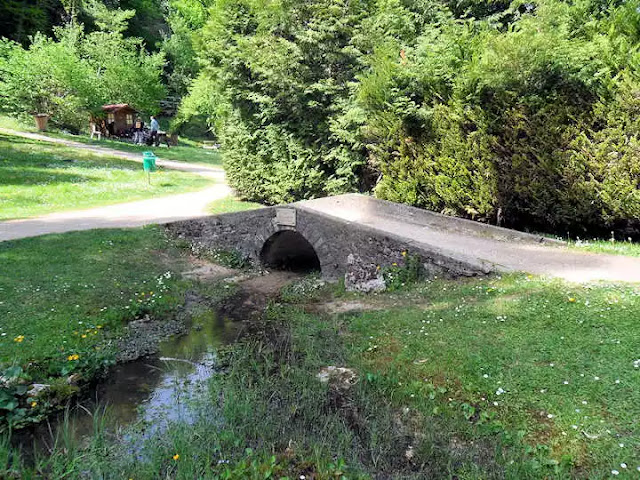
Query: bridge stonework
{"type": "Point", "coordinates": [333, 240]}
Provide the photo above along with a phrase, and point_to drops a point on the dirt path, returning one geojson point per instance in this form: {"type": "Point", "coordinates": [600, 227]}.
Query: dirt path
{"type": "Point", "coordinates": [131, 214]}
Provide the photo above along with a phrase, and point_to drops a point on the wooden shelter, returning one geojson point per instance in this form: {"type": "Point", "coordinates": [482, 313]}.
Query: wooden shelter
{"type": "Point", "coordinates": [120, 117]}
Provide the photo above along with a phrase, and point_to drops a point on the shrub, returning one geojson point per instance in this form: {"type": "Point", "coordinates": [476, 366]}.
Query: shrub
{"type": "Point", "coordinates": [521, 114]}
{"type": "Point", "coordinates": [284, 73]}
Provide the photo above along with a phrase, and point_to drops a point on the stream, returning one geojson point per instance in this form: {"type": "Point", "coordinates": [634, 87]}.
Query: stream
{"type": "Point", "coordinates": [162, 388]}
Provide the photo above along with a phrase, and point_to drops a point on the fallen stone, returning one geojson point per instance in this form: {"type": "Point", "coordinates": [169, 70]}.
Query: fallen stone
{"type": "Point", "coordinates": [37, 389]}
{"type": "Point", "coordinates": [339, 378]}
{"type": "Point", "coordinates": [74, 379]}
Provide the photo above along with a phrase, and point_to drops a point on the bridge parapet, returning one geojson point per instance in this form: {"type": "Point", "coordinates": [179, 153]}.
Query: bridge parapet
{"type": "Point", "coordinates": [376, 232]}
{"type": "Point", "coordinates": [333, 239]}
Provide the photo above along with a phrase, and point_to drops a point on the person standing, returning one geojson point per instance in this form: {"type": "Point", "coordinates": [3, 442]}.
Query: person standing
{"type": "Point", "coordinates": [155, 126]}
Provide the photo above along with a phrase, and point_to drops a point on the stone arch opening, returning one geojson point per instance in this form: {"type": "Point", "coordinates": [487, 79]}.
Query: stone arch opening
{"type": "Point", "coordinates": [288, 250]}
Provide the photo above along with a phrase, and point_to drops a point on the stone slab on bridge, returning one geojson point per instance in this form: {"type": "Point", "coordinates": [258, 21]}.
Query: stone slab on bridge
{"type": "Point", "coordinates": [327, 232]}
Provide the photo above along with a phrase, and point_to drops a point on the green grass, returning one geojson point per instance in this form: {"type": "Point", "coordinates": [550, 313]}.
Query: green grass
{"type": "Point", "coordinates": [627, 248]}
{"type": "Point", "coordinates": [38, 178]}
{"type": "Point", "coordinates": [20, 125]}
{"type": "Point", "coordinates": [512, 377]}
{"type": "Point", "coordinates": [231, 204]}
{"type": "Point", "coordinates": [188, 150]}
{"type": "Point", "coordinates": [72, 294]}
{"type": "Point", "coordinates": [57, 287]}
{"type": "Point", "coordinates": [564, 355]}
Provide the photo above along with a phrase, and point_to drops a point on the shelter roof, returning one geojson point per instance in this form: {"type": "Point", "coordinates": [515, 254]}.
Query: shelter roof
{"type": "Point", "coordinates": [118, 106]}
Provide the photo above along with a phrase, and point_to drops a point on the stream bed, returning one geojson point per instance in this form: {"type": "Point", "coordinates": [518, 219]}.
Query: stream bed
{"type": "Point", "coordinates": [164, 387]}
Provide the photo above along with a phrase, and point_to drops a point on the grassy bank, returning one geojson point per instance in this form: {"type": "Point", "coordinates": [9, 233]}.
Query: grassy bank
{"type": "Point", "coordinates": [626, 248]}
{"type": "Point", "coordinates": [514, 377]}
{"type": "Point", "coordinates": [38, 178]}
{"type": "Point", "coordinates": [231, 204]}
{"type": "Point", "coordinates": [65, 299]}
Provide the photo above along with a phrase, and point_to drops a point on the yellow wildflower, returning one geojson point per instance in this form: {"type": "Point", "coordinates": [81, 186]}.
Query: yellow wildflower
{"type": "Point", "coordinates": [404, 254]}
{"type": "Point", "coordinates": [33, 404]}
{"type": "Point", "coordinates": [19, 339]}
{"type": "Point", "coordinates": [73, 357]}
{"type": "Point", "coordinates": [176, 457]}
{"type": "Point", "coordinates": [572, 300]}
{"type": "Point", "coordinates": [84, 335]}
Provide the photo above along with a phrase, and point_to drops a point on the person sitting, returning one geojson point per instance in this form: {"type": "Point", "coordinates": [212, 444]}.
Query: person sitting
{"type": "Point", "coordinates": [137, 131]}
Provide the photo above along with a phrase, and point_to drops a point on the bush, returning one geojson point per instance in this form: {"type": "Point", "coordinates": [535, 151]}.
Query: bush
{"type": "Point", "coordinates": [283, 74]}
{"type": "Point", "coordinates": [517, 127]}
{"type": "Point", "coordinates": [520, 114]}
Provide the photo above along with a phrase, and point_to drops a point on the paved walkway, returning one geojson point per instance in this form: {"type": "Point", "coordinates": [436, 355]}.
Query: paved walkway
{"type": "Point", "coordinates": [491, 248]}
{"type": "Point", "coordinates": [132, 214]}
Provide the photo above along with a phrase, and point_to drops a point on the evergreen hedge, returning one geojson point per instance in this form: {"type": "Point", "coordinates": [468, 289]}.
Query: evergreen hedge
{"type": "Point", "coordinates": [518, 113]}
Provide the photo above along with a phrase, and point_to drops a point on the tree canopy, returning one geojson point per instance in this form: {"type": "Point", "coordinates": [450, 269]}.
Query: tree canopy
{"type": "Point", "coordinates": [73, 73]}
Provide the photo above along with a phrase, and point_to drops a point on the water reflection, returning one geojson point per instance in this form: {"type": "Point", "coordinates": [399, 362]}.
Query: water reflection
{"type": "Point", "coordinates": [155, 390]}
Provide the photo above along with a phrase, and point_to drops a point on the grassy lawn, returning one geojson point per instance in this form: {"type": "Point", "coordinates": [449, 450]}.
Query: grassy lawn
{"type": "Point", "coordinates": [512, 377]}
{"type": "Point", "coordinates": [231, 204]}
{"type": "Point", "coordinates": [188, 151]}
{"type": "Point", "coordinates": [551, 364]}
{"type": "Point", "coordinates": [627, 248]}
{"type": "Point", "coordinates": [56, 285]}
{"type": "Point", "coordinates": [20, 125]}
{"type": "Point", "coordinates": [38, 178]}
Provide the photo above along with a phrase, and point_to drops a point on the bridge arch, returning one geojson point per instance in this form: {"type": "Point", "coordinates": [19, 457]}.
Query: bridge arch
{"type": "Point", "coordinates": [289, 250]}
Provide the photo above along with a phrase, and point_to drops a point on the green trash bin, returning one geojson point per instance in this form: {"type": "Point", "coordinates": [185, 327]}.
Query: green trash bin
{"type": "Point", "coordinates": [149, 161]}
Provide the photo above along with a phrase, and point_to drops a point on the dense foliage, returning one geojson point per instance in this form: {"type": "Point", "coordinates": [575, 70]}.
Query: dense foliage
{"type": "Point", "coordinates": [71, 75]}
{"type": "Point", "coordinates": [21, 19]}
{"type": "Point", "coordinates": [520, 113]}
{"type": "Point", "coordinates": [523, 114]}
{"type": "Point", "coordinates": [281, 76]}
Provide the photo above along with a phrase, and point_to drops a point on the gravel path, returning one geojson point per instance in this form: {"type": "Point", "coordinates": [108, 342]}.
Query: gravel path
{"type": "Point", "coordinates": [132, 214]}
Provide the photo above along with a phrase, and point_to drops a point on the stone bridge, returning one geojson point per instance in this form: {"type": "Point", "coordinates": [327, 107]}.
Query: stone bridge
{"type": "Point", "coordinates": [334, 233]}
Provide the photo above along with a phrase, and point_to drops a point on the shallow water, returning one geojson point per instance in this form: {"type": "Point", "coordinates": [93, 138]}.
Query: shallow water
{"type": "Point", "coordinates": [164, 387]}
{"type": "Point", "coordinates": [154, 390]}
